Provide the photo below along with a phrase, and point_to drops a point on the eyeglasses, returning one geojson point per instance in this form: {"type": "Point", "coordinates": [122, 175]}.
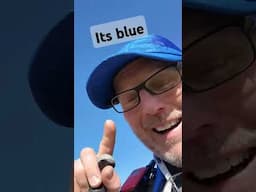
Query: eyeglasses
{"type": "Point", "coordinates": [158, 83]}
{"type": "Point", "coordinates": [217, 57]}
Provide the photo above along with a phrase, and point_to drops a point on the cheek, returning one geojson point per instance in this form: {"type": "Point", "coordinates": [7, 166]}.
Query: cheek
{"type": "Point", "coordinates": [178, 95]}
{"type": "Point", "coordinates": [248, 102]}
{"type": "Point", "coordinates": [173, 98]}
{"type": "Point", "coordinates": [239, 101]}
{"type": "Point", "coordinates": [133, 118]}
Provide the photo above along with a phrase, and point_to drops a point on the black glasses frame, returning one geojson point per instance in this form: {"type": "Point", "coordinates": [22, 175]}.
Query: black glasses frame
{"type": "Point", "coordinates": [141, 86]}
{"type": "Point", "coordinates": [238, 24]}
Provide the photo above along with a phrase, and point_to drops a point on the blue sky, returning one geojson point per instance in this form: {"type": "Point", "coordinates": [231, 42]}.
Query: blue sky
{"type": "Point", "coordinates": [161, 18]}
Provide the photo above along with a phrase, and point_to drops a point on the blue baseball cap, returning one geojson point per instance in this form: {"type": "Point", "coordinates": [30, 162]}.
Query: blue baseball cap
{"type": "Point", "coordinates": [241, 7]}
{"type": "Point", "coordinates": [100, 83]}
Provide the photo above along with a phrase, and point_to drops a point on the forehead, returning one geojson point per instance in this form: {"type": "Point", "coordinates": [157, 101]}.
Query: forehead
{"type": "Point", "coordinates": [136, 72]}
{"type": "Point", "coordinates": [197, 23]}
{"type": "Point", "coordinates": [141, 64]}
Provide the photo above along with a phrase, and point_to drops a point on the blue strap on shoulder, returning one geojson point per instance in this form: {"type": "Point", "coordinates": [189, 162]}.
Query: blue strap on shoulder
{"type": "Point", "coordinates": [159, 181]}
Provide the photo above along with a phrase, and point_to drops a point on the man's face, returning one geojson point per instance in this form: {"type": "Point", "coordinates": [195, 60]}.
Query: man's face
{"type": "Point", "coordinates": [157, 119]}
{"type": "Point", "coordinates": [219, 124]}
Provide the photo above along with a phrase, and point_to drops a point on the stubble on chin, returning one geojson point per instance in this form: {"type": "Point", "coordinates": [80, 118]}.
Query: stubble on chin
{"type": "Point", "coordinates": [173, 156]}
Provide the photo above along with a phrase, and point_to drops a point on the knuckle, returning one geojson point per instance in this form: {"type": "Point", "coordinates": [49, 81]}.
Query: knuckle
{"type": "Point", "coordinates": [80, 178]}
{"type": "Point", "coordinates": [78, 168]}
{"type": "Point", "coordinates": [111, 180]}
{"type": "Point", "coordinates": [82, 183]}
{"type": "Point", "coordinates": [86, 151]}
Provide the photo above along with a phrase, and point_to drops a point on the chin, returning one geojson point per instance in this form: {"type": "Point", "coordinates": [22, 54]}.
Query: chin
{"type": "Point", "coordinates": [238, 179]}
{"type": "Point", "coordinates": [174, 155]}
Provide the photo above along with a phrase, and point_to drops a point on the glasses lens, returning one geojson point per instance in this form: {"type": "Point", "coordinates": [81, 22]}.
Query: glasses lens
{"type": "Point", "coordinates": [164, 80]}
{"type": "Point", "coordinates": [125, 101]}
{"type": "Point", "coordinates": [216, 58]}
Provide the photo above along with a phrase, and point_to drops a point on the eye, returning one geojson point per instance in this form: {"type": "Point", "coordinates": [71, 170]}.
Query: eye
{"type": "Point", "coordinates": [158, 84]}
{"type": "Point", "coordinates": [128, 97]}
{"type": "Point", "coordinates": [164, 80]}
{"type": "Point", "coordinates": [115, 101]}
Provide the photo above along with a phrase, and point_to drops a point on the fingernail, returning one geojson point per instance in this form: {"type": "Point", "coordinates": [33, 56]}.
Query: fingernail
{"type": "Point", "coordinates": [95, 181]}
{"type": "Point", "coordinates": [108, 121]}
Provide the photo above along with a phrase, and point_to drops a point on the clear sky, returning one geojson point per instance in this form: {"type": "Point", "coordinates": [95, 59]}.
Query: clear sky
{"type": "Point", "coordinates": [162, 17]}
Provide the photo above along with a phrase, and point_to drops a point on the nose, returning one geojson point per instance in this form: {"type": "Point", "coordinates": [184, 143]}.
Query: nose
{"type": "Point", "coordinates": [151, 104]}
{"type": "Point", "coordinates": [199, 114]}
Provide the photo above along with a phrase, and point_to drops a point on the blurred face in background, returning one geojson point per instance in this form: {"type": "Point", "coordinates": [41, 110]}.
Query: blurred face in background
{"type": "Point", "coordinates": [219, 103]}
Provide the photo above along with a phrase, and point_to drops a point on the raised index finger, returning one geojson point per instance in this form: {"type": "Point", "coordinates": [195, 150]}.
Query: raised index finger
{"type": "Point", "coordinates": [108, 139]}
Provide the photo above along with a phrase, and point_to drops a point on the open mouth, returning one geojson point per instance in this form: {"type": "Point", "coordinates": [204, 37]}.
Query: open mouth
{"type": "Point", "coordinates": [232, 171]}
{"type": "Point", "coordinates": [168, 127]}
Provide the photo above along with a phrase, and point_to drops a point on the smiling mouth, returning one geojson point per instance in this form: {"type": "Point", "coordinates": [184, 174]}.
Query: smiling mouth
{"type": "Point", "coordinates": [232, 171]}
{"type": "Point", "coordinates": [168, 127]}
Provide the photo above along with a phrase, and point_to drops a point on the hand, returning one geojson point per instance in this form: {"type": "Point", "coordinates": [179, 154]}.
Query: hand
{"type": "Point", "coordinates": [86, 170]}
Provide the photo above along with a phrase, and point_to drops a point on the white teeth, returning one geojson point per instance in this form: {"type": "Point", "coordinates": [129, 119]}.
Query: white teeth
{"type": "Point", "coordinates": [168, 126]}
{"type": "Point", "coordinates": [221, 167]}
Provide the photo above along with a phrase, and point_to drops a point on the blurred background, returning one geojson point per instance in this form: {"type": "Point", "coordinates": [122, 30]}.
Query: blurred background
{"type": "Point", "coordinates": [36, 152]}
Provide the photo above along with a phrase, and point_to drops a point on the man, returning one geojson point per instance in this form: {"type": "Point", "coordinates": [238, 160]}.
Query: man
{"type": "Point", "coordinates": [219, 91]}
{"type": "Point", "coordinates": [142, 81]}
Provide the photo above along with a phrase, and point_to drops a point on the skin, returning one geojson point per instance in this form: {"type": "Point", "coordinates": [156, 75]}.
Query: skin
{"type": "Point", "coordinates": [153, 111]}
{"type": "Point", "coordinates": [86, 170]}
{"type": "Point", "coordinates": [221, 121]}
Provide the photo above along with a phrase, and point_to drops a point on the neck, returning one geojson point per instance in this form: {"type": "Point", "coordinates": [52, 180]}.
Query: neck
{"type": "Point", "coordinates": [172, 169]}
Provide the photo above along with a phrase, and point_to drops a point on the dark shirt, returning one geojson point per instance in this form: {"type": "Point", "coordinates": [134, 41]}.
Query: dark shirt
{"type": "Point", "coordinates": [153, 180]}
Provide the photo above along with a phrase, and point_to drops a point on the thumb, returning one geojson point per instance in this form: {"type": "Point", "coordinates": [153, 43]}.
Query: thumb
{"type": "Point", "coordinates": [110, 179]}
